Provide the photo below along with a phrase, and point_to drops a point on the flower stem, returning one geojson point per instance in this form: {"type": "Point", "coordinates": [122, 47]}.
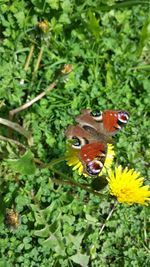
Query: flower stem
{"type": "Point", "coordinates": [54, 162]}
{"type": "Point", "coordinates": [73, 183]}
{"type": "Point", "coordinates": [38, 62]}
{"type": "Point", "coordinates": [28, 61]}
{"type": "Point", "coordinates": [108, 217]}
{"type": "Point", "coordinates": [29, 57]}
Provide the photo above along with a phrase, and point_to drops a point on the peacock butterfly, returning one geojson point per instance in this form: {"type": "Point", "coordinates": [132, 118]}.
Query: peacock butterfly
{"type": "Point", "coordinates": [92, 133]}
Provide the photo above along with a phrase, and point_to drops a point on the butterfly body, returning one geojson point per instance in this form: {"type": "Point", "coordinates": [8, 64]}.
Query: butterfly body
{"type": "Point", "coordinates": [92, 133]}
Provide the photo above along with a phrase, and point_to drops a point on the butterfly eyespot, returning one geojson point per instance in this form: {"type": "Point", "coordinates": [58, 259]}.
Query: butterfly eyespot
{"type": "Point", "coordinates": [94, 167]}
{"type": "Point", "coordinates": [97, 115]}
{"type": "Point", "coordinates": [78, 142]}
{"type": "Point", "coordinates": [123, 118]}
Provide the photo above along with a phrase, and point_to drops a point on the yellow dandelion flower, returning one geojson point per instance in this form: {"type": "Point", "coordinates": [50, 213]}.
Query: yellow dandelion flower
{"type": "Point", "coordinates": [72, 159]}
{"type": "Point", "coordinates": [127, 186]}
{"type": "Point", "coordinates": [43, 26]}
{"type": "Point", "coordinates": [67, 68]}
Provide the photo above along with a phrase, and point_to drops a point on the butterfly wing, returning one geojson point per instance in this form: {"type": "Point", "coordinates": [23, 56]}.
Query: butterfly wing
{"type": "Point", "coordinates": [93, 157]}
{"type": "Point", "coordinates": [113, 121]}
{"type": "Point", "coordinates": [106, 123]}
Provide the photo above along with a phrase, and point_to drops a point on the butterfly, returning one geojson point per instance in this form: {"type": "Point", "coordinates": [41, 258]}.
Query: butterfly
{"type": "Point", "coordinates": [91, 134]}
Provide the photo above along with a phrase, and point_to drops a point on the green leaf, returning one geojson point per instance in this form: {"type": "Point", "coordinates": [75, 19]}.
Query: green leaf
{"type": "Point", "coordinates": [38, 214]}
{"type": "Point", "coordinates": [55, 242]}
{"type": "Point", "coordinates": [76, 240]}
{"type": "Point", "coordinates": [43, 232]}
{"type": "Point", "coordinates": [91, 219]}
{"type": "Point", "coordinates": [20, 18]}
{"type": "Point", "coordinates": [81, 259]}
{"type": "Point", "coordinates": [22, 200]}
{"type": "Point", "coordinates": [53, 4]}
{"type": "Point", "coordinates": [123, 4]}
{"type": "Point", "coordinates": [4, 263]}
{"type": "Point", "coordinates": [24, 165]}
{"type": "Point", "coordinates": [144, 36]}
{"type": "Point", "coordinates": [93, 25]}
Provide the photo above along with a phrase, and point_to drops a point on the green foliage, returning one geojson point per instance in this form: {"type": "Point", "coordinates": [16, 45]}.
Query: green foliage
{"type": "Point", "coordinates": [24, 165]}
{"type": "Point", "coordinates": [108, 43]}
